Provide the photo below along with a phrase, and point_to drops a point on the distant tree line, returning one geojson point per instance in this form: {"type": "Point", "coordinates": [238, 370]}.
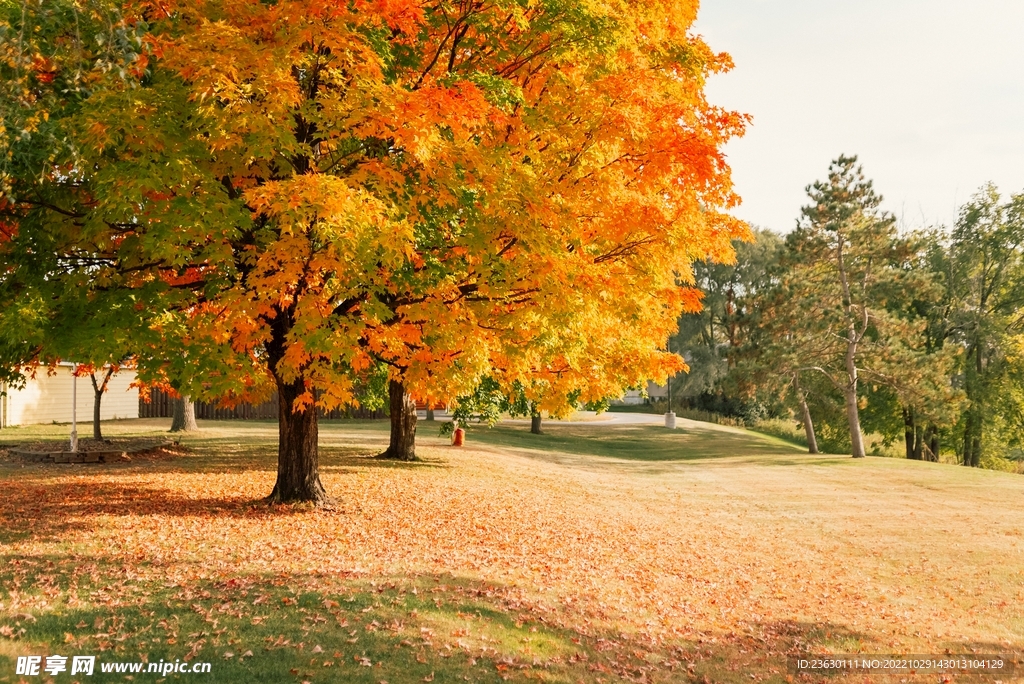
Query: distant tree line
{"type": "Point", "coordinates": [852, 327]}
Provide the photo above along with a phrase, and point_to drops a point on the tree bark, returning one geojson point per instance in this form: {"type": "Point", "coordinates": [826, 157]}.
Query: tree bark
{"type": "Point", "coordinates": [184, 417]}
{"type": "Point", "coordinates": [298, 457]}
{"type": "Point", "coordinates": [909, 432]}
{"type": "Point", "coordinates": [972, 438]}
{"type": "Point", "coordinates": [852, 341]}
{"type": "Point", "coordinates": [805, 413]}
{"type": "Point", "coordinates": [975, 413]}
{"type": "Point", "coordinates": [535, 420]}
{"type": "Point", "coordinates": [852, 410]}
{"type": "Point", "coordinates": [933, 444]}
{"type": "Point", "coordinates": [918, 443]}
{"type": "Point", "coordinates": [968, 430]}
{"type": "Point", "coordinates": [430, 412]}
{"type": "Point", "coordinates": [98, 389]}
{"type": "Point", "coordinates": [402, 446]}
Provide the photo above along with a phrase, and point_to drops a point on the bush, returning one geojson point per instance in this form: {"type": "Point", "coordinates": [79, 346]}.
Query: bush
{"type": "Point", "coordinates": [788, 430]}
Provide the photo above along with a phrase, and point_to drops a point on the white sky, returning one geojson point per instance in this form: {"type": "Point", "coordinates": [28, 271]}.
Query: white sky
{"type": "Point", "coordinates": [928, 93]}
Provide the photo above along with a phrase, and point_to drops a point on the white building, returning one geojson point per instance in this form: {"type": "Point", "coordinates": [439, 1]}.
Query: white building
{"type": "Point", "coordinates": [47, 398]}
{"type": "Point", "coordinates": [633, 397]}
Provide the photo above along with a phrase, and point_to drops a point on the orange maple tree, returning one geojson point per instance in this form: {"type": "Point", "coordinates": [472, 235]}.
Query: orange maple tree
{"type": "Point", "coordinates": [306, 191]}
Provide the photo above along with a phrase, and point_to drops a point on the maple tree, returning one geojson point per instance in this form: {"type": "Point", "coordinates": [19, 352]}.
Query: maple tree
{"type": "Point", "coordinates": [297, 193]}
{"type": "Point", "coordinates": [184, 415]}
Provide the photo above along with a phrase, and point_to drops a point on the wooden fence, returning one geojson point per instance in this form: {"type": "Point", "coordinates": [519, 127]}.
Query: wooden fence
{"type": "Point", "coordinates": [161, 405]}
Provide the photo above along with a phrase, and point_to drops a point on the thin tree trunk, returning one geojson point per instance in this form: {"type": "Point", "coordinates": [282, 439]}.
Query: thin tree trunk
{"type": "Point", "coordinates": [430, 412]}
{"type": "Point", "coordinates": [298, 457]}
{"type": "Point", "coordinates": [975, 417]}
{"type": "Point", "coordinates": [805, 413]}
{"type": "Point", "coordinates": [97, 432]}
{"type": "Point", "coordinates": [918, 443]}
{"type": "Point", "coordinates": [976, 408]}
{"type": "Point", "coordinates": [972, 440]}
{"type": "Point", "coordinates": [908, 431]}
{"type": "Point", "coordinates": [98, 389]}
{"type": "Point", "coordinates": [933, 444]}
{"type": "Point", "coordinates": [853, 339]}
{"type": "Point", "coordinates": [535, 421]}
{"type": "Point", "coordinates": [968, 431]}
{"type": "Point", "coordinates": [184, 417]}
{"type": "Point", "coordinates": [852, 410]}
{"type": "Point", "coordinates": [402, 446]}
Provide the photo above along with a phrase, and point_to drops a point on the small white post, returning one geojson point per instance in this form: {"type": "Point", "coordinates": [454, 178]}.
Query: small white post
{"type": "Point", "coordinates": [74, 408]}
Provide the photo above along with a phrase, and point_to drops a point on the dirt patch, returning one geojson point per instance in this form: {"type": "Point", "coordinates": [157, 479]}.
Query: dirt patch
{"type": "Point", "coordinates": [94, 451]}
{"type": "Point", "coordinates": [90, 445]}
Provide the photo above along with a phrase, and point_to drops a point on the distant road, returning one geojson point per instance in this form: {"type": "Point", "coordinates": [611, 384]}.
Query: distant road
{"type": "Point", "coordinates": [586, 418]}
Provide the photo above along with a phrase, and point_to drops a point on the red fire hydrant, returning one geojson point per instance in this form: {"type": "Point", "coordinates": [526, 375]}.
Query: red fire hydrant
{"type": "Point", "coordinates": [458, 437]}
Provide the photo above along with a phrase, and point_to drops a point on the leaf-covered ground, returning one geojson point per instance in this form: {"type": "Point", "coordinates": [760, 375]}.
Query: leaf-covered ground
{"type": "Point", "coordinates": [594, 553]}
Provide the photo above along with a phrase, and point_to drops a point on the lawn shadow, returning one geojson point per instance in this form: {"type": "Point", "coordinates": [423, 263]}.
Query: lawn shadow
{"type": "Point", "coordinates": [42, 502]}
{"type": "Point", "coordinates": [366, 629]}
{"type": "Point", "coordinates": [645, 448]}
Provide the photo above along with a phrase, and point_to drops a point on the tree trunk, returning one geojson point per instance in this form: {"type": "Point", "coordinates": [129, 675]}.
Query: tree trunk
{"type": "Point", "coordinates": [975, 413]}
{"type": "Point", "coordinates": [909, 432]}
{"type": "Point", "coordinates": [968, 422]}
{"type": "Point", "coordinates": [535, 419]}
{"type": "Point", "coordinates": [184, 417]}
{"type": "Point", "coordinates": [852, 410]}
{"type": "Point", "coordinates": [298, 458]}
{"type": "Point", "coordinates": [918, 443]}
{"type": "Point", "coordinates": [852, 340]}
{"type": "Point", "coordinates": [430, 412]}
{"type": "Point", "coordinates": [805, 413]}
{"type": "Point", "coordinates": [972, 439]}
{"type": "Point", "coordinates": [98, 389]}
{"type": "Point", "coordinates": [933, 444]}
{"type": "Point", "coordinates": [97, 433]}
{"type": "Point", "coordinates": [402, 446]}
{"type": "Point", "coordinates": [976, 408]}
{"type": "Point", "coordinates": [853, 416]}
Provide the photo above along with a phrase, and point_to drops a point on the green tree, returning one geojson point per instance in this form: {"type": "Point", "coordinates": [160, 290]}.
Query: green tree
{"type": "Point", "coordinates": [711, 339]}
{"type": "Point", "coordinates": [846, 266]}
{"type": "Point", "coordinates": [986, 292]}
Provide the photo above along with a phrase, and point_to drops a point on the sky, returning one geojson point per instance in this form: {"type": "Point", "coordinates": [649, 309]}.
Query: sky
{"type": "Point", "coordinates": [929, 94]}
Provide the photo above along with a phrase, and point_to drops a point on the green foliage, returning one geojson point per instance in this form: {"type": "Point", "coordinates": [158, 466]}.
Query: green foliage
{"type": "Point", "coordinates": [934, 317]}
{"type": "Point", "coordinates": [984, 269]}
{"type": "Point", "coordinates": [483, 406]}
{"type": "Point", "coordinates": [711, 339]}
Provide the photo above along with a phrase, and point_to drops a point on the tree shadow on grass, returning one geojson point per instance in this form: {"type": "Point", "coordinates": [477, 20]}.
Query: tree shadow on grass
{"type": "Point", "coordinates": [40, 501]}
{"type": "Point", "coordinates": [367, 629]}
{"type": "Point", "coordinates": [646, 448]}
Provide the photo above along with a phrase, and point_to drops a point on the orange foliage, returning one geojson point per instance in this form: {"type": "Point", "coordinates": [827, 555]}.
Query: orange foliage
{"type": "Point", "coordinates": [498, 198]}
{"type": "Point", "coordinates": [300, 193]}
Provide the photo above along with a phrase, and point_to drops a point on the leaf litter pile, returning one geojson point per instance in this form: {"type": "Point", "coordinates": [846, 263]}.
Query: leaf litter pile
{"type": "Point", "coordinates": [493, 564]}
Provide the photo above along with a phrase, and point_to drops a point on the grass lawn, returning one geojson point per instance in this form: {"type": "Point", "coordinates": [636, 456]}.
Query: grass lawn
{"type": "Point", "coordinates": [593, 553]}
